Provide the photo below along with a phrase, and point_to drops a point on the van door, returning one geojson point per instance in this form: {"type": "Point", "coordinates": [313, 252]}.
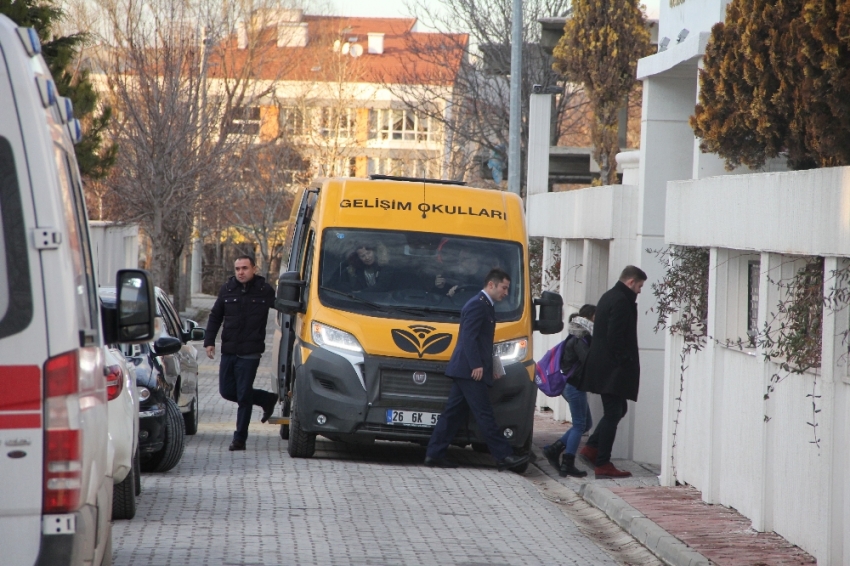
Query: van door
{"type": "Point", "coordinates": [285, 321]}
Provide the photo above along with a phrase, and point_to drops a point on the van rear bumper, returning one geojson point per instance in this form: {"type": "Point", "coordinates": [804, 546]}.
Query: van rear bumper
{"type": "Point", "coordinates": [76, 548]}
{"type": "Point", "coordinates": [327, 385]}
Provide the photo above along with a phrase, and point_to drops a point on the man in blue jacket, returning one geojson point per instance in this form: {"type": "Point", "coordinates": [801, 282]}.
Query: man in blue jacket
{"type": "Point", "coordinates": [471, 370]}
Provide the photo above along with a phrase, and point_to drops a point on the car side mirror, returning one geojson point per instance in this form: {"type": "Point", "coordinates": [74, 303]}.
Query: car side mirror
{"type": "Point", "coordinates": [135, 307]}
{"type": "Point", "coordinates": [551, 317]}
{"type": "Point", "coordinates": [165, 345]}
{"type": "Point", "coordinates": [289, 288]}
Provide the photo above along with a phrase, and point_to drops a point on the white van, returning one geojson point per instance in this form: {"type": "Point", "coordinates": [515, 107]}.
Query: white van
{"type": "Point", "coordinates": [55, 487]}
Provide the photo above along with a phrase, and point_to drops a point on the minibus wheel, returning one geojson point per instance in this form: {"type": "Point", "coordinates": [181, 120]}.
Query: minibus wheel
{"type": "Point", "coordinates": [301, 444]}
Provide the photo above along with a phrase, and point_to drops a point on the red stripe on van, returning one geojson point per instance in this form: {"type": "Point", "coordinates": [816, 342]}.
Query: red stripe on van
{"type": "Point", "coordinates": [20, 388]}
{"type": "Point", "coordinates": [26, 420]}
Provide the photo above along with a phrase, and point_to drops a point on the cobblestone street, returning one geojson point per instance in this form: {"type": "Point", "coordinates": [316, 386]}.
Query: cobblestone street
{"type": "Point", "coordinates": [373, 505]}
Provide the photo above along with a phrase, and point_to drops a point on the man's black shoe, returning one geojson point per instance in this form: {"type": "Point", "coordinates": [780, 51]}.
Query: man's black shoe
{"type": "Point", "coordinates": [440, 462]}
{"type": "Point", "coordinates": [268, 408]}
{"type": "Point", "coordinates": [237, 445]}
{"type": "Point", "coordinates": [512, 462]}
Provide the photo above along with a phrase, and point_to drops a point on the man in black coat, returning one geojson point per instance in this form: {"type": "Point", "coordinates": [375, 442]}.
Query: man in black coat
{"type": "Point", "coordinates": [471, 370]}
{"type": "Point", "coordinates": [243, 305]}
{"type": "Point", "coordinates": [612, 368]}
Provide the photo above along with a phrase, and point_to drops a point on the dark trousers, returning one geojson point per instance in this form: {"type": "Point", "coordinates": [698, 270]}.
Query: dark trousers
{"type": "Point", "coordinates": [236, 383]}
{"type": "Point", "coordinates": [602, 439]}
{"type": "Point", "coordinates": [468, 395]}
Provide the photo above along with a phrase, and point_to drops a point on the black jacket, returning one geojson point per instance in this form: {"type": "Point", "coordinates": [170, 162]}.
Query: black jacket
{"type": "Point", "coordinates": [245, 312]}
{"type": "Point", "coordinates": [613, 366]}
{"type": "Point", "coordinates": [474, 348]}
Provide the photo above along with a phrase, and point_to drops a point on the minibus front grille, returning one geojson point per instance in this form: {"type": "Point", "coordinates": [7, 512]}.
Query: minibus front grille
{"type": "Point", "coordinates": [400, 385]}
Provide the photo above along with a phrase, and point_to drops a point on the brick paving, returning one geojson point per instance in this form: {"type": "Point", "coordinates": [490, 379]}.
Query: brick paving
{"type": "Point", "coordinates": [361, 505]}
{"type": "Point", "coordinates": [719, 533]}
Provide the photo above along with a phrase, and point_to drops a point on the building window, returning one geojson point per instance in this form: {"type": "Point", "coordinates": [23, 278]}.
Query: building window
{"type": "Point", "coordinates": [246, 121]}
{"type": "Point", "coordinates": [401, 125]}
{"type": "Point", "coordinates": [295, 121]}
{"type": "Point", "coordinates": [753, 278]}
{"type": "Point", "coordinates": [334, 122]}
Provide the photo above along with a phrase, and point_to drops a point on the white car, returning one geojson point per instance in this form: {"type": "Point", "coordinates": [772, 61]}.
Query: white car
{"type": "Point", "coordinates": [123, 408]}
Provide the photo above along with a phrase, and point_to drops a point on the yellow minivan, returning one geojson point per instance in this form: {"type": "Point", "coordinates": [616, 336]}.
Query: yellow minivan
{"type": "Point", "coordinates": [369, 306]}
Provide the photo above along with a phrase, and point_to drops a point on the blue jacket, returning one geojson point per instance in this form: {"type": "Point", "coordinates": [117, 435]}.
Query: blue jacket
{"type": "Point", "coordinates": [474, 348]}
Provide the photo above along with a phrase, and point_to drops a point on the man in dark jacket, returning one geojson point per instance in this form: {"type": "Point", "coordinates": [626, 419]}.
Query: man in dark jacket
{"type": "Point", "coordinates": [471, 370]}
{"type": "Point", "coordinates": [612, 368]}
{"type": "Point", "coordinates": [243, 304]}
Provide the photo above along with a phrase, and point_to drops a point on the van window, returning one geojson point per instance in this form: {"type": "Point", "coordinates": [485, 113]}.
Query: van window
{"type": "Point", "coordinates": [15, 315]}
{"type": "Point", "coordinates": [77, 230]}
{"type": "Point", "coordinates": [397, 274]}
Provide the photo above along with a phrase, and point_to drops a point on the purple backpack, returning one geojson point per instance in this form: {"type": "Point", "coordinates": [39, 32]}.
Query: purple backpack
{"type": "Point", "coordinates": [547, 372]}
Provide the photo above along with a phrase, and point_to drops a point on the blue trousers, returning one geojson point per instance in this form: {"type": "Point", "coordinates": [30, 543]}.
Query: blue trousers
{"type": "Point", "coordinates": [467, 395]}
{"type": "Point", "coordinates": [236, 383]}
{"type": "Point", "coordinates": [582, 421]}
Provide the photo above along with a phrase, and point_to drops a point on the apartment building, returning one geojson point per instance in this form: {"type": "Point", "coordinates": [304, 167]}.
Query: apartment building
{"type": "Point", "coordinates": [336, 87]}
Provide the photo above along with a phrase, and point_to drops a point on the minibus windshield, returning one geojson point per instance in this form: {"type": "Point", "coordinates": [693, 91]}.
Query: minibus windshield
{"type": "Point", "coordinates": [399, 274]}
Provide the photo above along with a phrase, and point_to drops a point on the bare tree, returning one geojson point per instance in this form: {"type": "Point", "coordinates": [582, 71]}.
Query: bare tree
{"type": "Point", "coordinates": [262, 198]}
{"type": "Point", "coordinates": [472, 102]}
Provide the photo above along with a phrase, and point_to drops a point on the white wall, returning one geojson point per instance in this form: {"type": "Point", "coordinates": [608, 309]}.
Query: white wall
{"type": "Point", "coordinates": [741, 450]}
{"type": "Point", "coordinates": [114, 247]}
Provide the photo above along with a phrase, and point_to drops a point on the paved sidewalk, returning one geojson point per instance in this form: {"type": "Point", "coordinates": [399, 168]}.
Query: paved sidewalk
{"type": "Point", "coordinates": [673, 522]}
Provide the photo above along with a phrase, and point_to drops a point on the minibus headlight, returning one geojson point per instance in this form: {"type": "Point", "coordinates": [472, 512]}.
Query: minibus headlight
{"type": "Point", "coordinates": [330, 337]}
{"type": "Point", "coordinates": [511, 351]}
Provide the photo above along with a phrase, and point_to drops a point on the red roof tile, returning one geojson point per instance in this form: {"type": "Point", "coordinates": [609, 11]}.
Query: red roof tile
{"type": "Point", "coordinates": [400, 63]}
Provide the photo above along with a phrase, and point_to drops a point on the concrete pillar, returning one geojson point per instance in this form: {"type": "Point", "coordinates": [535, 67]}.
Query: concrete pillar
{"type": "Point", "coordinates": [539, 135]}
{"type": "Point", "coordinates": [835, 429]}
{"type": "Point", "coordinates": [667, 155]}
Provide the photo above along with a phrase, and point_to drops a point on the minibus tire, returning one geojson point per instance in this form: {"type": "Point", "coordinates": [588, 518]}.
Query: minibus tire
{"type": "Point", "coordinates": [174, 442]}
{"type": "Point", "coordinates": [124, 497]}
{"type": "Point", "coordinates": [287, 412]}
{"type": "Point", "coordinates": [301, 444]}
{"type": "Point", "coordinates": [480, 447]}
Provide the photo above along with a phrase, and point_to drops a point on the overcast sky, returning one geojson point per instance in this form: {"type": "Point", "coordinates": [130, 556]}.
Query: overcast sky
{"type": "Point", "coordinates": [397, 8]}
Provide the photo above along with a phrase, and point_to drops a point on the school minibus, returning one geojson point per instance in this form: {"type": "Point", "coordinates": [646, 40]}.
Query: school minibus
{"type": "Point", "coordinates": [369, 305]}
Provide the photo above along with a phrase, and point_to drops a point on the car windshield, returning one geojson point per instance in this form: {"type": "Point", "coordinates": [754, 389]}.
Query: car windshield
{"type": "Point", "coordinates": [399, 274]}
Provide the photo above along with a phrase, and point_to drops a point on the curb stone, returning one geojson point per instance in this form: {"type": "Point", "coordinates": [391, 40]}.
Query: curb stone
{"type": "Point", "coordinates": [661, 543]}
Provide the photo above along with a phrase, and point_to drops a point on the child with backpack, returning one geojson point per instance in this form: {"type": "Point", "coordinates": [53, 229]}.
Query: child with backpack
{"type": "Point", "coordinates": [574, 354]}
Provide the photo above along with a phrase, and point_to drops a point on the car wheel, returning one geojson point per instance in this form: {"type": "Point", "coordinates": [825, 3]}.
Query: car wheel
{"type": "Point", "coordinates": [137, 466]}
{"type": "Point", "coordinates": [124, 497]}
{"type": "Point", "coordinates": [301, 444]}
{"type": "Point", "coordinates": [286, 412]}
{"type": "Point", "coordinates": [175, 438]}
{"type": "Point", "coordinates": [191, 418]}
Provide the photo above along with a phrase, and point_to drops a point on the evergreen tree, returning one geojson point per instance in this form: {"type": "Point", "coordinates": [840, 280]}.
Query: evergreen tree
{"type": "Point", "coordinates": [600, 48]}
{"type": "Point", "coordinates": [60, 52]}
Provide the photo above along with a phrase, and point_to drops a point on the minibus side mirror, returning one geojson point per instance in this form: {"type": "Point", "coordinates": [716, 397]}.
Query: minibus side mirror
{"type": "Point", "coordinates": [289, 287]}
{"type": "Point", "coordinates": [192, 332]}
{"type": "Point", "coordinates": [135, 308]}
{"type": "Point", "coordinates": [551, 317]}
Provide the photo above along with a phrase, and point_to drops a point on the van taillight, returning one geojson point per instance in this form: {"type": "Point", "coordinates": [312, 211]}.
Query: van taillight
{"type": "Point", "coordinates": [62, 442]}
{"type": "Point", "coordinates": [114, 381]}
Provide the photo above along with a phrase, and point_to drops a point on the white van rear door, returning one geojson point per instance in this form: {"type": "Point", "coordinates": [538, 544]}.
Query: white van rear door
{"type": "Point", "coordinates": [23, 346]}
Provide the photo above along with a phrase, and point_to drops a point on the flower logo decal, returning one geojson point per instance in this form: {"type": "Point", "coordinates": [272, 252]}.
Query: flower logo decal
{"type": "Point", "coordinates": [421, 339]}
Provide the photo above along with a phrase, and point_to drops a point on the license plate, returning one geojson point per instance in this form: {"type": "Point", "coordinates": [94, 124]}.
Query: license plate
{"type": "Point", "coordinates": [411, 418]}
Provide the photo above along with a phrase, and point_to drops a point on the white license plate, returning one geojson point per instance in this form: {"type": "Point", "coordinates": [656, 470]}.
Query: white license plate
{"type": "Point", "coordinates": [412, 418]}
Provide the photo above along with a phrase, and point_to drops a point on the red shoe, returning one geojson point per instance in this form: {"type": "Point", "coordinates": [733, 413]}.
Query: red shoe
{"type": "Point", "coordinates": [589, 453]}
{"type": "Point", "coordinates": [608, 471]}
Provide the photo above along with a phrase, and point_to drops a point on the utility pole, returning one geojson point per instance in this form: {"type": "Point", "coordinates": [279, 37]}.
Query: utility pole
{"type": "Point", "coordinates": [514, 150]}
{"type": "Point", "coordinates": [196, 265]}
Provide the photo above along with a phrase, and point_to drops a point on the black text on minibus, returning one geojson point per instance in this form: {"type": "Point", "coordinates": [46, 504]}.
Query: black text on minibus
{"type": "Point", "coordinates": [375, 203]}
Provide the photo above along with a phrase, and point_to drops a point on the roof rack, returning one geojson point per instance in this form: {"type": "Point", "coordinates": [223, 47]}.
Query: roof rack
{"type": "Point", "coordinates": [416, 180]}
